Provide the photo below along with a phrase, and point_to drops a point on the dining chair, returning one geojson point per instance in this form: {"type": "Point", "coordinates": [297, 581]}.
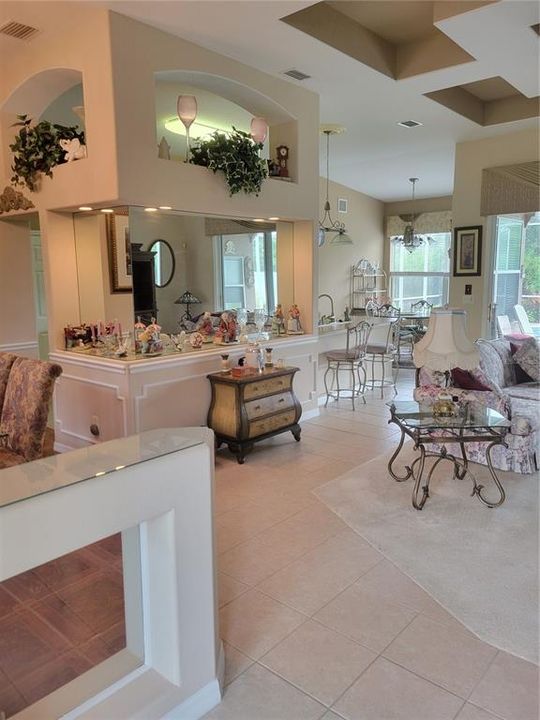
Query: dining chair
{"type": "Point", "coordinates": [523, 320]}
{"type": "Point", "coordinates": [351, 360]}
{"type": "Point", "coordinates": [504, 325]}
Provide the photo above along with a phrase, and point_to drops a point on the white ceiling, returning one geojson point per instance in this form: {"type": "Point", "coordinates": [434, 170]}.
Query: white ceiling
{"type": "Point", "coordinates": [375, 155]}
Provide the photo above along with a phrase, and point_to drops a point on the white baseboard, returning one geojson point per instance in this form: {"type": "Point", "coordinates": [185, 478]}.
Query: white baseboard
{"type": "Point", "coordinates": [198, 704]}
{"type": "Point", "coordinates": [28, 349]}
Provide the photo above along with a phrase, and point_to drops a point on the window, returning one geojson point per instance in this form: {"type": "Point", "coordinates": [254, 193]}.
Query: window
{"type": "Point", "coordinates": [422, 274]}
{"type": "Point", "coordinates": [249, 270]}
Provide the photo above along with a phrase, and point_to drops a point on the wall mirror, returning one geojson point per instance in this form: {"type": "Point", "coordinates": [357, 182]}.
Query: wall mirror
{"type": "Point", "coordinates": [164, 262]}
{"type": "Point", "coordinates": [225, 263]}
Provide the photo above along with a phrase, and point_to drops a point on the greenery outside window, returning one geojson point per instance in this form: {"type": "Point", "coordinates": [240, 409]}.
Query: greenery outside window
{"type": "Point", "coordinates": [423, 274]}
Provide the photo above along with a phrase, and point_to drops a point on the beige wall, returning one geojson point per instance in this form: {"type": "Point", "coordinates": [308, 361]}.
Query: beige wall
{"type": "Point", "coordinates": [17, 315]}
{"type": "Point", "coordinates": [364, 222]}
{"type": "Point", "coordinates": [471, 159]}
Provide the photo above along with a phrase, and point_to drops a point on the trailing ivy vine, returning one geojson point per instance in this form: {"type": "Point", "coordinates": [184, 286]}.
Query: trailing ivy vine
{"type": "Point", "coordinates": [36, 149]}
{"type": "Point", "coordinates": [236, 156]}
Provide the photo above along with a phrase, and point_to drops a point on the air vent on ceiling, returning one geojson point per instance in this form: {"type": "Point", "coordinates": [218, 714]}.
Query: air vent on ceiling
{"type": "Point", "coordinates": [18, 30]}
{"type": "Point", "coordinates": [297, 74]}
{"type": "Point", "coordinates": [409, 123]}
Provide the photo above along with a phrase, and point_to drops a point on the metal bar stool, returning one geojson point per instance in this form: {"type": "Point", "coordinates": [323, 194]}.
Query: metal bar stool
{"type": "Point", "coordinates": [381, 354]}
{"type": "Point", "coordinates": [350, 359]}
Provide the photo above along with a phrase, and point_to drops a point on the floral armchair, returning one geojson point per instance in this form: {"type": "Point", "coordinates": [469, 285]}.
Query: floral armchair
{"type": "Point", "coordinates": [520, 403]}
{"type": "Point", "coordinates": [26, 388]}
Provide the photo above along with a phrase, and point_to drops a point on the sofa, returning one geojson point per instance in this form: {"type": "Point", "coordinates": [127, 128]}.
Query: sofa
{"type": "Point", "coordinates": [518, 401]}
{"type": "Point", "coordinates": [26, 388]}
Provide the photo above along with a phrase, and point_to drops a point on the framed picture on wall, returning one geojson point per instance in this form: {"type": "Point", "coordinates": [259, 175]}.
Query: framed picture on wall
{"type": "Point", "coordinates": [468, 251]}
{"type": "Point", "coordinates": [119, 245]}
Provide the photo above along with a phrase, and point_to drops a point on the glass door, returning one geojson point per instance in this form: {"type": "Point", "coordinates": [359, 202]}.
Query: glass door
{"type": "Point", "coordinates": [516, 273]}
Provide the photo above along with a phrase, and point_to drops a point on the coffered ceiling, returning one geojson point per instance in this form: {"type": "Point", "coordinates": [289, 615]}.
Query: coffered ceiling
{"type": "Point", "coordinates": [465, 70]}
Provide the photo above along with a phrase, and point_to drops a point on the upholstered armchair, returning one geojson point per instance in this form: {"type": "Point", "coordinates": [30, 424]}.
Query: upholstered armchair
{"type": "Point", "coordinates": [23, 415]}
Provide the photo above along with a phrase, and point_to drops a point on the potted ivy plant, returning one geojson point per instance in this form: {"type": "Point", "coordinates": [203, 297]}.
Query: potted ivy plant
{"type": "Point", "coordinates": [236, 155]}
{"type": "Point", "coordinates": [36, 149]}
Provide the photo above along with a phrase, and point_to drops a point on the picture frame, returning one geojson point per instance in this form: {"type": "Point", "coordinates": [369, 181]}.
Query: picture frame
{"type": "Point", "coordinates": [119, 244]}
{"type": "Point", "coordinates": [468, 251]}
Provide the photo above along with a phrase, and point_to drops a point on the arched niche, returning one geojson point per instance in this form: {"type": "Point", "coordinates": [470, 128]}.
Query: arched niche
{"type": "Point", "coordinates": [222, 103]}
{"type": "Point", "coordinates": [39, 91]}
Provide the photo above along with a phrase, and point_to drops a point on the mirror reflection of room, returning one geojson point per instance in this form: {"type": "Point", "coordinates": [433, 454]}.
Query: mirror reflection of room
{"type": "Point", "coordinates": [169, 269]}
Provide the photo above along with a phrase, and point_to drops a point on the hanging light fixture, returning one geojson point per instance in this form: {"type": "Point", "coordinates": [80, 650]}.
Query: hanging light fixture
{"type": "Point", "coordinates": [409, 239]}
{"type": "Point", "coordinates": [327, 224]}
{"type": "Point", "coordinates": [259, 130]}
{"type": "Point", "coordinates": [186, 107]}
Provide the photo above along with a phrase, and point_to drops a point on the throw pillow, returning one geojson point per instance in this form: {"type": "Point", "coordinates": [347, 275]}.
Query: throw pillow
{"type": "Point", "coordinates": [466, 380]}
{"type": "Point", "coordinates": [521, 375]}
{"type": "Point", "coordinates": [528, 358]}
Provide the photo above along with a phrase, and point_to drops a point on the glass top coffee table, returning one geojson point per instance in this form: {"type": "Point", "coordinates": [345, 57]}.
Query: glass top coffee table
{"type": "Point", "coordinates": [474, 423]}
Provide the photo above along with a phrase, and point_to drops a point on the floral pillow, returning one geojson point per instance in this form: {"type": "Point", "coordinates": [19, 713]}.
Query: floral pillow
{"type": "Point", "coordinates": [528, 358]}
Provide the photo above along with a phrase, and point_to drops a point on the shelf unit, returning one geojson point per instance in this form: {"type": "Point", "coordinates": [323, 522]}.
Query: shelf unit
{"type": "Point", "coordinates": [368, 282]}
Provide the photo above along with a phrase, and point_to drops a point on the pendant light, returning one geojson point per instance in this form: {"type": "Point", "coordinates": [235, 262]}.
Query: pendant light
{"type": "Point", "coordinates": [409, 239]}
{"type": "Point", "coordinates": [327, 225]}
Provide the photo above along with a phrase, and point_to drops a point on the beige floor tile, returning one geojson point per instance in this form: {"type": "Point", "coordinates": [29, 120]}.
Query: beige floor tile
{"type": "Point", "coordinates": [388, 582]}
{"type": "Point", "coordinates": [235, 663]}
{"type": "Point", "coordinates": [388, 692]}
{"type": "Point", "coordinates": [509, 688]}
{"type": "Point", "coordinates": [238, 525]}
{"type": "Point", "coordinates": [258, 558]}
{"type": "Point", "coordinates": [365, 617]}
{"type": "Point", "coordinates": [318, 661]}
{"type": "Point", "coordinates": [318, 576]}
{"type": "Point", "coordinates": [454, 660]}
{"type": "Point", "coordinates": [229, 588]}
{"type": "Point", "coordinates": [471, 712]}
{"type": "Point", "coordinates": [254, 623]}
{"type": "Point", "coordinates": [258, 694]}
{"type": "Point", "coordinates": [306, 530]}
{"type": "Point", "coordinates": [331, 716]}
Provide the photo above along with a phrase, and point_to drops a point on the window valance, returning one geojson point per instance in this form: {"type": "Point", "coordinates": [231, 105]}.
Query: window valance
{"type": "Point", "coordinates": [228, 226]}
{"type": "Point", "coordinates": [424, 223]}
{"type": "Point", "coordinates": [511, 189]}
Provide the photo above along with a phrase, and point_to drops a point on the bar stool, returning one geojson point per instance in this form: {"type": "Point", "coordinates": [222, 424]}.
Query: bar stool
{"type": "Point", "coordinates": [384, 351]}
{"type": "Point", "coordinates": [351, 360]}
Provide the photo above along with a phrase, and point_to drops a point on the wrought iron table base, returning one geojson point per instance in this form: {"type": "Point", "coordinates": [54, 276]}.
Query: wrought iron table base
{"type": "Point", "coordinates": [461, 466]}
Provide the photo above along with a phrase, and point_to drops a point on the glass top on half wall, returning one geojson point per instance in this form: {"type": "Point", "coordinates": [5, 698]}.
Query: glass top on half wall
{"type": "Point", "coordinates": [469, 415]}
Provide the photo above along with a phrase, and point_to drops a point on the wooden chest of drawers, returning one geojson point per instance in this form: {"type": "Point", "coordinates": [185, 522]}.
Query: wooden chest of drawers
{"type": "Point", "coordinates": [251, 408]}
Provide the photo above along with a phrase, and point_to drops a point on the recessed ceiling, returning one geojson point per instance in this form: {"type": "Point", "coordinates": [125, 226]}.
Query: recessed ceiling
{"type": "Point", "coordinates": [491, 89]}
{"type": "Point", "coordinates": [375, 156]}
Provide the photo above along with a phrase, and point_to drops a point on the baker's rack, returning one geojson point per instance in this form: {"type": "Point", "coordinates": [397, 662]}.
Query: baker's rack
{"type": "Point", "coordinates": [368, 282]}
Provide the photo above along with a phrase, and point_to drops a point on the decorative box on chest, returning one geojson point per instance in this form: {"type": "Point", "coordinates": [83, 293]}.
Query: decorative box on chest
{"type": "Point", "coordinates": [247, 409]}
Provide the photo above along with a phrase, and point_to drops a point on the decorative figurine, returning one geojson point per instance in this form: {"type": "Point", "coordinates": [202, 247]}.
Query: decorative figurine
{"type": "Point", "coordinates": [73, 149]}
{"type": "Point", "coordinates": [347, 314]}
{"type": "Point", "coordinates": [278, 322]}
{"type": "Point", "coordinates": [227, 327]}
{"type": "Point", "coordinates": [283, 157]}
{"type": "Point", "coordinates": [232, 327]}
{"type": "Point", "coordinates": [293, 325]}
{"type": "Point", "coordinates": [196, 340]}
{"type": "Point", "coordinates": [150, 341]}
{"type": "Point", "coordinates": [204, 324]}
{"type": "Point", "coordinates": [139, 329]}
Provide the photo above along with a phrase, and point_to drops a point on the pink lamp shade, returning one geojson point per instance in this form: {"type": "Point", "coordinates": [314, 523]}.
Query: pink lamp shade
{"type": "Point", "coordinates": [445, 344]}
{"type": "Point", "coordinates": [186, 107]}
{"type": "Point", "coordinates": [259, 129]}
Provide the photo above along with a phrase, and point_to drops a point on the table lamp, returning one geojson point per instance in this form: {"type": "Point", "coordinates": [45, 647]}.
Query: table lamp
{"type": "Point", "coordinates": [187, 299]}
{"type": "Point", "coordinates": [446, 346]}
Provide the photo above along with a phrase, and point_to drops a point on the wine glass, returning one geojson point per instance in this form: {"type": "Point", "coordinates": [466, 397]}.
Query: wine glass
{"type": "Point", "coordinates": [242, 318]}
{"type": "Point", "coordinates": [259, 315]}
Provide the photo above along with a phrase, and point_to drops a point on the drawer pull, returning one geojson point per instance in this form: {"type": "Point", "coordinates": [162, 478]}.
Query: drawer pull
{"type": "Point", "coordinates": [257, 407]}
{"type": "Point", "coordinates": [282, 400]}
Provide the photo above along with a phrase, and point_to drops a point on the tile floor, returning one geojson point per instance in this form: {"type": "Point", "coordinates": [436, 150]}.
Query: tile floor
{"type": "Point", "coordinates": [59, 620]}
{"type": "Point", "coordinates": [316, 623]}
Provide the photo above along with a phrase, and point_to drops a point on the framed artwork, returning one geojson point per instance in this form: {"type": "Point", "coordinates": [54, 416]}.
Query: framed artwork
{"type": "Point", "coordinates": [468, 251]}
{"type": "Point", "coordinates": [119, 245]}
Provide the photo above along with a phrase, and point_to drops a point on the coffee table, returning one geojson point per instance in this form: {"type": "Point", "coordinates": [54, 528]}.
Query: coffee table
{"type": "Point", "coordinates": [475, 423]}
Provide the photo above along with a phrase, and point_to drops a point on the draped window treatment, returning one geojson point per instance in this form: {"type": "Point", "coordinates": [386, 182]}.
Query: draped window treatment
{"type": "Point", "coordinates": [511, 189]}
{"type": "Point", "coordinates": [424, 223]}
{"type": "Point", "coordinates": [228, 226]}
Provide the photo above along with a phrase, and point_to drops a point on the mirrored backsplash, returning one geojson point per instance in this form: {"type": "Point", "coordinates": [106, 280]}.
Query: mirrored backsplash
{"type": "Point", "coordinates": [173, 267]}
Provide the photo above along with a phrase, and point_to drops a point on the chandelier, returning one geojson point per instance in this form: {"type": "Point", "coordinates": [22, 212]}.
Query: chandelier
{"type": "Point", "coordinates": [409, 239]}
{"type": "Point", "coordinates": [327, 224]}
